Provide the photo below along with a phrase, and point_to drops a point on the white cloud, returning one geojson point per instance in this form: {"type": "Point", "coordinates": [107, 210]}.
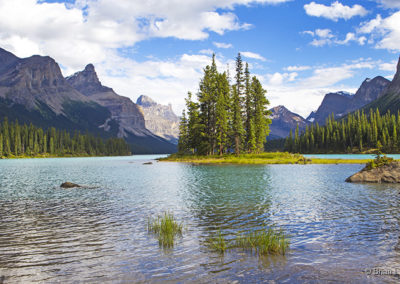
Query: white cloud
{"type": "Point", "coordinates": [389, 3]}
{"type": "Point", "coordinates": [252, 55]}
{"type": "Point", "coordinates": [324, 37]}
{"type": "Point", "coordinates": [280, 78]}
{"type": "Point", "coordinates": [368, 27]}
{"type": "Point", "coordinates": [207, 51]}
{"type": "Point", "coordinates": [292, 91]}
{"type": "Point", "coordinates": [72, 36]}
{"type": "Point", "coordinates": [222, 45]}
{"type": "Point", "coordinates": [297, 68]}
{"type": "Point", "coordinates": [386, 32]}
{"type": "Point", "coordinates": [388, 66]}
{"type": "Point", "coordinates": [93, 31]}
{"type": "Point", "coordinates": [334, 12]}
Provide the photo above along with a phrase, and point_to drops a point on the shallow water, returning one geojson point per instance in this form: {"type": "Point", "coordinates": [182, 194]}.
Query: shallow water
{"type": "Point", "coordinates": [338, 231]}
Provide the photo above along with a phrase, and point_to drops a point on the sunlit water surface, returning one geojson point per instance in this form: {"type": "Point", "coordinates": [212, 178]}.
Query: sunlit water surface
{"type": "Point", "coordinates": [338, 231]}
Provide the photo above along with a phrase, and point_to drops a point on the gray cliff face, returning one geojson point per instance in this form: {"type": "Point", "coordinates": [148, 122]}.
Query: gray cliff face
{"type": "Point", "coordinates": [394, 86]}
{"type": "Point", "coordinates": [336, 103]}
{"type": "Point", "coordinates": [128, 115]}
{"type": "Point", "coordinates": [342, 103]}
{"type": "Point", "coordinates": [283, 121]}
{"type": "Point", "coordinates": [389, 99]}
{"type": "Point", "coordinates": [370, 90]}
{"type": "Point", "coordinates": [34, 80]}
{"type": "Point", "coordinates": [160, 119]}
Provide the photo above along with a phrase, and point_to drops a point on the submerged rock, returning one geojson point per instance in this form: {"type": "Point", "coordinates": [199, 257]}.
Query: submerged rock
{"type": "Point", "coordinates": [68, 184]}
{"type": "Point", "coordinates": [385, 174]}
{"type": "Point", "coordinates": [148, 163]}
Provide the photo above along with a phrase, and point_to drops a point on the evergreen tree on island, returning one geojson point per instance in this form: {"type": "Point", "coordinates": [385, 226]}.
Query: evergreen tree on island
{"type": "Point", "coordinates": [225, 118]}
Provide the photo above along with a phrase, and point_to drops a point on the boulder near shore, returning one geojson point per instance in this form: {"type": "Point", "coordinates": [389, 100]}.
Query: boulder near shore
{"type": "Point", "coordinates": [68, 184]}
{"type": "Point", "coordinates": [389, 173]}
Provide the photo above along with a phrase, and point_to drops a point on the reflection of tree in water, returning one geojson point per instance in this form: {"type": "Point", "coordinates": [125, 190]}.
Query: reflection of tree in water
{"type": "Point", "coordinates": [228, 197]}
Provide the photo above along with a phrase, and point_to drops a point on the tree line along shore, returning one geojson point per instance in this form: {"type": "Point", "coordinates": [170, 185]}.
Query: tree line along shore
{"type": "Point", "coordinates": [19, 141]}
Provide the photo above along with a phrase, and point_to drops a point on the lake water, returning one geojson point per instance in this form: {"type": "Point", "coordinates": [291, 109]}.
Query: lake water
{"type": "Point", "coordinates": [338, 231]}
{"type": "Point", "coordinates": [349, 156]}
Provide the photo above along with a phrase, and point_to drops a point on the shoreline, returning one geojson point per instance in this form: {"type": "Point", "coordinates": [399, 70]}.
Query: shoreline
{"type": "Point", "coordinates": [52, 157]}
{"type": "Point", "coordinates": [259, 159]}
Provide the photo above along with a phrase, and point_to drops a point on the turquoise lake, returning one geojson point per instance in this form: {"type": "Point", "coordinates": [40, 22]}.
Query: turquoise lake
{"type": "Point", "coordinates": [338, 231]}
{"type": "Point", "coordinates": [348, 156]}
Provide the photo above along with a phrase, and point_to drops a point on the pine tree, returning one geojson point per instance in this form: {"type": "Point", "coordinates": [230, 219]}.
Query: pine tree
{"type": "Point", "coordinates": [222, 115]}
{"type": "Point", "coordinates": [237, 125]}
{"type": "Point", "coordinates": [261, 122]}
{"type": "Point", "coordinates": [183, 134]}
{"type": "Point", "coordinates": [249, 114]}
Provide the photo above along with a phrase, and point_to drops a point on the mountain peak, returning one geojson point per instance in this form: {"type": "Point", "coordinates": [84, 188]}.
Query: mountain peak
{"type": "Point", "coordinates": [6, 59]}
{"type": "Point", "coordinates": [283, 120]}
{"type": "Point", "coordinates": [145, 101]}
{"type": "Point", "coordinates": [87, 82]}
{"type": "Point", "coordinates": [89, 68]}
{"type": "Point", "coordinates": [398, 65]}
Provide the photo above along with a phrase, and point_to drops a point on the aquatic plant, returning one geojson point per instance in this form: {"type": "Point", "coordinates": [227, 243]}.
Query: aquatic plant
{"type": "Point", "coordinates": [263, 242]}
{"type": "Point", "coordinates": [166, 228]}
{"type": "Point", "coordinates": [218, 243]}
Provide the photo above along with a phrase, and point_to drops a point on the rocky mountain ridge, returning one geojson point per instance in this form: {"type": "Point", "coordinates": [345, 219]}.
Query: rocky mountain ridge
{"type": "Point", "coordinates": [283, 121]}
{"type": "Point", "coordinates": [389, 99]}
{"type": "Point", "coordinates": [342, 103]}
{"type": "Point", "coordinates": [160, 119]}
{"type": "Point", "coordinates": [33, 90]}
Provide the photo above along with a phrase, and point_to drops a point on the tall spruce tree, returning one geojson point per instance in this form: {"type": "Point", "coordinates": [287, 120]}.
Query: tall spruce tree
{"type": "Point", "coordinates": [237, 106]}
{"type": "Point", "coordinates": [261, 120]}
{"type": "Point", "coordinates": [222, 112]}
{"type": "Point", "coordinates": [217, 122]}
{"type": "Point", "coordinates": [183, 134]}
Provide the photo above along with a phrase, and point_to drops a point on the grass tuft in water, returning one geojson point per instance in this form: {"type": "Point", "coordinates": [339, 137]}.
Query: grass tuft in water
{"type": "Point", "coordinates": [263, 242]}
{"type": "Point", "coordinates": [218, 243]}
{"type": "Point", "coordinates": [166, 228]}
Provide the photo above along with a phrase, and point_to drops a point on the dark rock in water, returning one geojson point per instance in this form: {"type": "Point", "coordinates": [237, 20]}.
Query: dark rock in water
{"type": "Point", "coordinates": [148, 163]}
{"type": "Point", "coordinates": [385, 174]}
{"type": "Point", "coordinates": [69, 185]}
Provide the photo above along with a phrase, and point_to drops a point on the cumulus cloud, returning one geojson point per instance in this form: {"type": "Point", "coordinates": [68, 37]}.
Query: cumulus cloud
{"type": "Point", "coordinates": [335, 11]}
{"type": "Point", "coordinates": [97, 30]}
{"type": "Point", "coordinates": [386, 31]}
{"type": "Point", "coordinates": [252, 55]}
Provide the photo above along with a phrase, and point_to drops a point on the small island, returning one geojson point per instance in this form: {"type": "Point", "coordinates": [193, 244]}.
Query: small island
{"type": "Point", "coordinates": [380, 170]}
{"type": "Point", "coordinates": [267, 158]}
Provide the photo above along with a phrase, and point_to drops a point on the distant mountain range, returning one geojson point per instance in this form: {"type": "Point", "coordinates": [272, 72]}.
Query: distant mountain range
{"type": "Point", "coordinates": [389, 99]}
{"type": "Point", "coordinates": [283, 121]}
{"type": "Point", "coordinates": [34, 90]}
{"type": "Point", "coordinates": [373, 93]}
{"type": "Point", "coordinates": [341, 103]}
{"type": "Point", "coordinates": [160, 119]}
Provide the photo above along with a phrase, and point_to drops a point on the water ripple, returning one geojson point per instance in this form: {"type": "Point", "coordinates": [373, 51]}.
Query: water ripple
{"type": "Point", "coordinates": [47, 234]}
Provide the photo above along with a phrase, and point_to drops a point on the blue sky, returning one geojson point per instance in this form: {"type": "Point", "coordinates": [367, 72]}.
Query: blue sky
{"type": "Point", "coordinates": [299, 49]}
